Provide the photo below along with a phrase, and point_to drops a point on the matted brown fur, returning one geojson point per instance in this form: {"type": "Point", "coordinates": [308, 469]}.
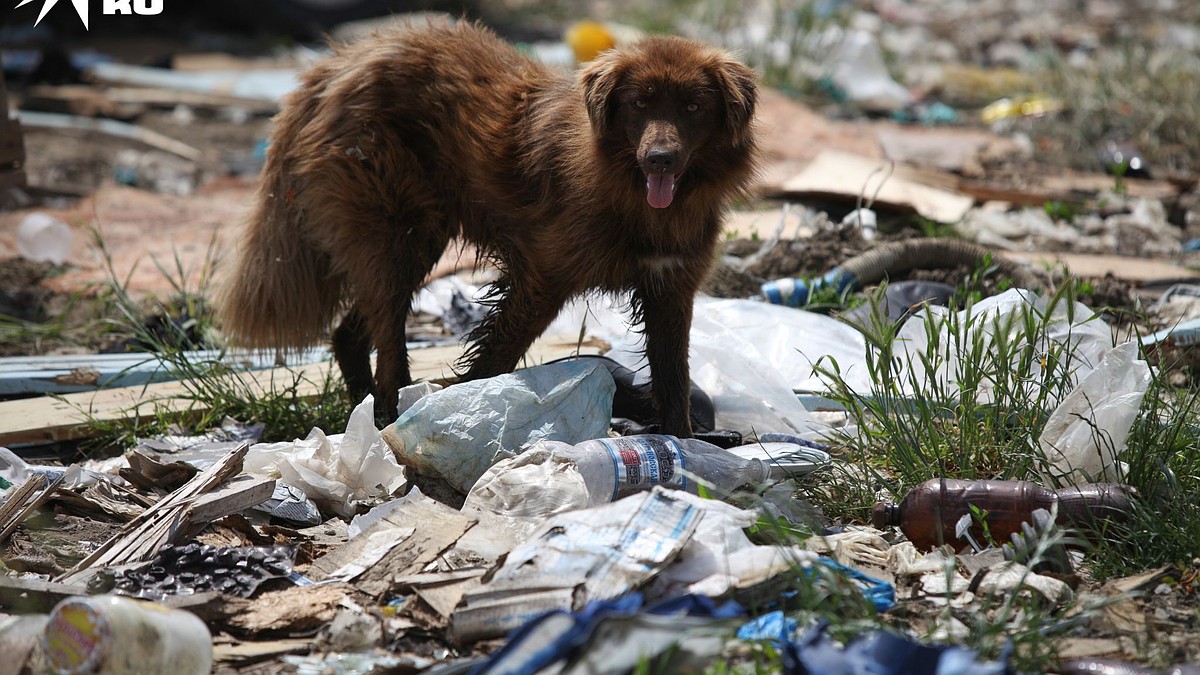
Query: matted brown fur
{"type": "Point", "coordinates": [398, 143]}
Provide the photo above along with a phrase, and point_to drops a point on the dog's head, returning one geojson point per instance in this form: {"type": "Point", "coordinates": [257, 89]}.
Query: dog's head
{"type": "Point", "coordinates": [665, 98]}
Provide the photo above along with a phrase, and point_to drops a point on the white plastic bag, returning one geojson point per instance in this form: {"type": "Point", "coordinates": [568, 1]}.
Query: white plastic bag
{"type": "Point", "coordinates": [460, 431]}
{"type": "Point", "coordinates": [1085, 435]}
{"type": "Point", "coordinates": [337, 472]}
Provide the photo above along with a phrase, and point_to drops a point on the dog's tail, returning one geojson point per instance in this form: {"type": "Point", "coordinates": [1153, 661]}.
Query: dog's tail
{"type": "Point", "coordinates": [280, 292]}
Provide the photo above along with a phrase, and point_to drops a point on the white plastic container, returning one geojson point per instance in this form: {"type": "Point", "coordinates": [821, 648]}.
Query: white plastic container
{"type": "Point", "coordinates": [114, 635]}
{"type": "Point", "coordinates": [44, 238]}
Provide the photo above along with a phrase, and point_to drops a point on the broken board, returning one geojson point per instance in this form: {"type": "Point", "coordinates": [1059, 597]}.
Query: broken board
{"type": "Point", "coordinates": [45, 419]}
{"type": "Point", "coordinates": [844, 176]}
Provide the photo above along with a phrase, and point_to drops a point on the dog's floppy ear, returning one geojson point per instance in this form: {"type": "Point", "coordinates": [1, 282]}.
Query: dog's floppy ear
{"type": "Point", "coordinates": [738, 88]}
{"type": "Point", "coordinates": [600, 79]}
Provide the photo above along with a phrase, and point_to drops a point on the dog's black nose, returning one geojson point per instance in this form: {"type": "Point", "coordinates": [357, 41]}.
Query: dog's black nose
{"type": "Point", "coordinates": [662, 161]}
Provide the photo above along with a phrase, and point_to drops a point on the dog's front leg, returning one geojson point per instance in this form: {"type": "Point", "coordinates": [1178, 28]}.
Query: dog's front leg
{"type": "Point", "coordinates": [665, 304]}
{"type": "Point", "coordinates": [523, 312]}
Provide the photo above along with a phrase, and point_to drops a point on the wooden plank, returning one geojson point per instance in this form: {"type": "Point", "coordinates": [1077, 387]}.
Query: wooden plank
{"type": "Point", "coordinates": [1068, 188]}
{"type": "Point", "coordinates": [146, 137]}
{"type": "Point", "coordinates": [70, 373]}
{"type": "Point", "coordinates": [14, 506]}
{"type": "Point", "coordinates": [1138, 270]}
{"type": "Point", "coordinates": [46, 419]}
{"type": "Point", "coordinates": [25, 595]}
{"type": "Point", "coordinates": [37, 502]}
{"type": "Point", "coordinates": [241, 493]}
{"type": "Point", "coordinates": [160, 524]}
{"type": "Point", "coordinates": [169, 98]}
{"type": "Point", "coordinates": [77, 99]}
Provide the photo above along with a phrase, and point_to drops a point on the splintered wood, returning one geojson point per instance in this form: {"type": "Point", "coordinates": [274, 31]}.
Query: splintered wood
{"type": "Point", "coordinates": [167, 521]}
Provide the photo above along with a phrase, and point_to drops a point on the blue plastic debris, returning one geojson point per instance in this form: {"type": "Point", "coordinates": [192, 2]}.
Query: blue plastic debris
{"type": "Point", "coordinates": [796, 292]}
{"type": "Point", "coordinates": [881, 594]}
{"type": "Point", "coordinates": [873, 653]}
{"type": "Point", "coordinates": [560, 635]}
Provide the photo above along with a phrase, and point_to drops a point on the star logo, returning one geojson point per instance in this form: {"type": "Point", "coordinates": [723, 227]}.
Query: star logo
{"type": "Point", "coordinates": [81, 8]}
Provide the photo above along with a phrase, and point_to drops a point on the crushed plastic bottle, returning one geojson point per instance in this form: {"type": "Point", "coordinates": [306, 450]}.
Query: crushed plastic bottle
{"type": "Point", "coordinates": [614, 468]}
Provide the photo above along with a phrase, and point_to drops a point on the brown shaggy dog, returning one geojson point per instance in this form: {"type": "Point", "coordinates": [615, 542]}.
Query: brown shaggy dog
{"type": "Point", "coordinates": [615, 180]}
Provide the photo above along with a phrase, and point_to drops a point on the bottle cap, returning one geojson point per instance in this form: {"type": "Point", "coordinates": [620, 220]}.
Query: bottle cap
{"type": "Point", "coordinates": [883, 515]}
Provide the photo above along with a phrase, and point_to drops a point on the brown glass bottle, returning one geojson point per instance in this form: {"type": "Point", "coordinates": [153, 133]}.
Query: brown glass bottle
{"type": "Point", "coordinates": [929, 514]}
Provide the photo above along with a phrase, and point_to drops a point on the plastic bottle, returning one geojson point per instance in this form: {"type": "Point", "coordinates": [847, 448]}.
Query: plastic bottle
{"type": "Point", "coordinates": [613, 468]}
{"type": "Point", "coordinates": [114, 635]}
{"type": "Point", "coordinates": [930, 514]}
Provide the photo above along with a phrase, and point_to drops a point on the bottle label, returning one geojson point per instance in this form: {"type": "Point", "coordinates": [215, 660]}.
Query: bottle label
{"type": "Point", "coordinates": [76, 638]}
{"type": "Point", "coordinates": [641, 463]}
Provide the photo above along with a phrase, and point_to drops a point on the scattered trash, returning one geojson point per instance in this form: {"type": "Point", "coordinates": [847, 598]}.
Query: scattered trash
{"type": "Point", "coordinates": [339, 472]}
{"type": "Point", "coordinates": [1085, 435]}
{"type": "Point", "coordinates": [875, 652]}
{"type": "Point", "coordinates": [860, 74]}
{"type": "Point", "coordinates": [607, 469]}
{"type": "Point", "coordinates": [1028, 106]}
{"type": "Point", "coordinates": [615, 636]}
{"type": "Point", "coordinates": [458, 432]}
{"type": "Point", "coordinates": [877, 263]}
{"type": "Point", "coordinates": [44, 238]}
{"type": "Point", "coordinates": [122, 636]}
{"type": "Point", "coordinates": [981, 512]}
{"type": "Point", "coordinates": [194, 568]}
{"type": "Point", "coordinates": [679, 540]}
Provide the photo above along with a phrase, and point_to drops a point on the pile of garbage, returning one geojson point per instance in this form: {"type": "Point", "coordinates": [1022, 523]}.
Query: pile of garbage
{"type": "Point", "coordinates": [555, 543]}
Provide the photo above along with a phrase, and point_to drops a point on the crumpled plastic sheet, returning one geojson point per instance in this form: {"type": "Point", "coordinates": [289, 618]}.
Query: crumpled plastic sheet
{"type": "Point", "coordinates": [338, 472]}
{"type": "Point", "coordinates": [460, 431]}
{"type": "Point", "coordinates": [1085, 435]}
{"type": "Point", "coordinates": [873, 653]}
{"type": "Point", "coordinates": [1078, 326]}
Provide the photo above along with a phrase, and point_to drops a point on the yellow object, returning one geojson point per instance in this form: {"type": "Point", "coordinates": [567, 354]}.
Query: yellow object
{"type": "Point", "coordinates": [587, 39]}
{"type": "Point", "coordinates": [1025, 106]}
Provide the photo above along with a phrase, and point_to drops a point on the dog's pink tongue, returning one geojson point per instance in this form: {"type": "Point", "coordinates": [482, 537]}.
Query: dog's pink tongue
{"type": "Point", "coordinates": [660, 189]}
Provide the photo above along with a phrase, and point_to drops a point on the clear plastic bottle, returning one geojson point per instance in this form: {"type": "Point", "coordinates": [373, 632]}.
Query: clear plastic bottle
{"type": "Point", "coordinates": [613, 468]}
{"type": "Point", "coordinates": [114, 635]}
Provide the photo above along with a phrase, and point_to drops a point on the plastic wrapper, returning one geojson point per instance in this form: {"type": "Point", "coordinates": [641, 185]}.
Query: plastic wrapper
{"type": "Point", "coordinates": [1085, 435]}
{"type": "Point", "coordinates": [460, 431]}
{"type": "Point", "coordinates": [337, 472]}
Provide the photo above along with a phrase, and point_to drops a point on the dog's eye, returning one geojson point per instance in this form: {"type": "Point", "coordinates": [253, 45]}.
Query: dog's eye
{"type": "Point", "coordinates": [692, 107]}
{"type": "Point", "coordinates": [641, 103]}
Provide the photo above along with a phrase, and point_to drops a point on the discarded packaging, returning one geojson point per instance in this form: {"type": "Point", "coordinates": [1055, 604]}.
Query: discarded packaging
{"type": "Point", "coordinates": [950, 511]}
{"type": "Point", "coordinates": [860, 73]}
{"type": "Point", "coordinates": [789, 457]}
{"type": "Point", "coordinates": [670, 541]}
{"type": "Point", "coordinates": [112, 635]}
{"type": "Point", "coordinates": [876, 652]}
{"type": "Point", "coordinates": [607, 469]}
{"type": "Point", "coordinates": [460, 431]}
{"type": "Point", "coordinates": [1085, 435]}
{"type": "Point", "coordinates": [184, 570]}
{"type": "Point", "coordinates": [338, 472]}
{"type": "Point", "coordinates": [614, 636]}
{"type": "Point", "coordinates": [44, 238]}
